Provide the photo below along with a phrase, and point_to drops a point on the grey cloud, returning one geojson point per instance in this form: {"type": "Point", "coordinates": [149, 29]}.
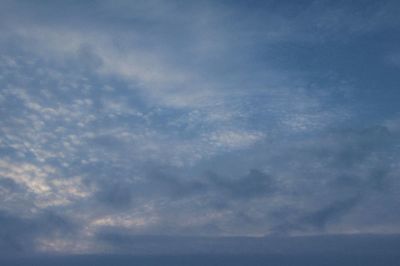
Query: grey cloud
{"type": "Point", "coordinates": [20, 234]}
{"type": "Point", "coordinates": [116, 195]}
{"type": "Point", "coordinates": [331, 192]}
{"type": "Point", "coordinates": [126, 243]}
{"type": "Point", "coordinates": [331, 213]}
{"type": "Point", "coordinates": [88, 58]}
{"type": "Point", "coordinates": [9, 184]}
{"type": "Point", "coordinates": [334, 175]}
{"type": "Point", "coordinates": [199, 118]}
{"type": "Point", "coordinates": [255, 183]}
{"type": "Point", "coordinates": [175, 184]}
{"type": "Point", "coordinates": [356, 145]}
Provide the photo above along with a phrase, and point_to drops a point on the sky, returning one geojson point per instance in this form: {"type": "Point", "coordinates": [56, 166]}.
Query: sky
{"type": "Point", "coordinates": [126, 122]}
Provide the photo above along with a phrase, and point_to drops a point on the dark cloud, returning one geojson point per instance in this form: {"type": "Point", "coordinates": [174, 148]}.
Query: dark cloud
{"type": "Point", "coordinates": [9, 184]}
{"type": "Point", "coordinates": [120, 192]}
{"type": "Point", "coordinates": [179, 185]}
{"type": "Point", "coordinates": [354, 146]}
{"type": "Point", "coordinates": [124, 242]}
{"type": "Point", "coordinates": [328, 214]}
{"type": "Point", "coordinates": [255, 183]}
{"type": "Point", "coordinates": [20, 234]}
{"type": "Point", "coordinates": [351, 171]}
{"type": "Point", "coordinates": [317, 220]}
{"type": "Point", "coordinates": [116, 195]}
{"type": "Point", "coordinates": [173, 183]}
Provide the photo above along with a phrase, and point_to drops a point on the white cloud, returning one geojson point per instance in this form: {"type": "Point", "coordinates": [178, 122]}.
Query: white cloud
{"type": "Point", "coordinates": [47, 187]}
{"type": "Point", "coordinates": [233, 139]}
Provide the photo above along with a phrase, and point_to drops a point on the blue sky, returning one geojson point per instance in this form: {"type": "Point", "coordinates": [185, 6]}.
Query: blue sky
{"type": "Point", "coordinates": [196, 118]}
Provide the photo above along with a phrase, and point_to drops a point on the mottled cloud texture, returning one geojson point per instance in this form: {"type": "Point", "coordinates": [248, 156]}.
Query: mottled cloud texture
{"type": "Point", "coordinates": [124, 121]}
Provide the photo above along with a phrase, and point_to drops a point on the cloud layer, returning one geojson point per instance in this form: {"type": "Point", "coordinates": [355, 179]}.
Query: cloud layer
{"type": "Point", "coordinates": [207, 119]}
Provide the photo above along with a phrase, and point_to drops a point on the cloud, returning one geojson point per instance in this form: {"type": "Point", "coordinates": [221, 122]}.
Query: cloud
{"type": "Point", "coordinates": [321, 217]}
{"type": "Point", "coordinates": [285, 246]}
{"type": "Point", "coordinates": [195, 119]}
{"type": "Point", "coordinates": [255, 183]}
{"type": "Point", "coordinates": [318, 219]}
{"type": "Point", "coordinates": [22, 234]}
{"type": "Point", "coordinates": [42, 184]}
{"type": "Point", "coordinates": [116, 195]}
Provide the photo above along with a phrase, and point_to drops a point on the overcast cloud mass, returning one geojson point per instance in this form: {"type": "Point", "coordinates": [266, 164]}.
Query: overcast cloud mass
{"type": "Point", "coordinates": [121, 121]}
